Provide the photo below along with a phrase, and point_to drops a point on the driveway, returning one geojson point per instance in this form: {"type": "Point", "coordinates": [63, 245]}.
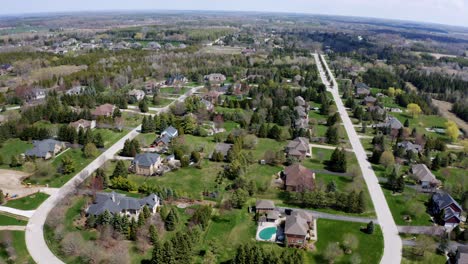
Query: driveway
{"type": "Point", "coordinates": [392, 242]}
{"type": "Point", "coordinates": [346, 218]}
{"type": "Point", "coordinates": [35, 241]}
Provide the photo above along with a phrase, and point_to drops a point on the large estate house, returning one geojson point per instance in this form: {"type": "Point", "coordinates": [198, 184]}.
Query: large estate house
{"type": "Point", "coordinates": [146, 163]}
{"type": "Point", "coordinates": [116, 203]}
{"type": "Point", "coordinates": [298, 178]}
{"type": "Point", "coordinates": [45, 149]}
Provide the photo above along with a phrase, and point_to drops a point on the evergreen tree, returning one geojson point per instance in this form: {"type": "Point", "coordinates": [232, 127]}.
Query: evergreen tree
{"type": "Point", "coordinates": [169, 253]}
{"type": "Point", "coordinates": [100, 174]}
{"type": "Point", "coordinates": [263, 131]}
{"type": "Point", "coordinates": [158, 254]}
{"type": "Point", "coordinates": [275, 133]}
{"type": "Point", "coordinates": [331, 186]}
{"type": "Point", "coordinates": [337, 162]}
{"type": "Point", "coordinates": [98, 140]}
{"type": "Point", "coordinates": [332, 135]}
{"type": "Point", "coordinates": [146, 212]}
{"type": "Point", "coordinates": [170, 221]}
{"type": "Point", "coordinates": [14, 162]}
{"type": "Point", "coordinates": [105, 218]}
{"type": "Point", "coordinates": [120, 170]}
{"type": "Point", "coordinates": [436, 163]}
{"type": "Point", "coordinates": [143, 105]}
{"type": "Point", "coordinates": [133, 230]}
{"type": "Point", "coordinates": [91, 221]}
{"type": "Point", "coordinates": [362, 202]}
{"type": "Point", "coordinates": [153, 235]}
{"type": "Point", "coordinates": [400, 185]}
{"type": "Point", "coordinates": [406, 124]}
{"type": "Point", "coordinates": [370, 227]}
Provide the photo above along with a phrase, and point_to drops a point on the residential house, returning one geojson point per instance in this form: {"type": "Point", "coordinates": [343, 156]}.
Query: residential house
{"type": "Point", "coordinates": [209, 106]}
{"type": "Point", "coordinates": [462, 255]}
{"type": "Point", "coordinates": [146, 164]}
{"type": "Point", "coordinates": [424, 176]}
{"type": "Point", "coordinates": [116, 203]}
{"type": "Point", "coordinates": [84, 124]}
{"type": "Point", "coordinates": [298, 148]}
{"type": "Point", "coordinates": [222, 148]}
{"type": "Point", "coordinates": [264, 206]}
{"type": "Point", "coordinates": [215, 78]}
{"type": "Point", "coordinates": [298, 227]}
{"type": "Point", "coordinates": [35, 94]}
{"type": "Point", "coordinates": [177, 79]}
{"type": "Point", "coordinates": [45, 149]}
{"type": "Point", "coordinates": [298, 178]}
{"type": "Point", "coordinates": [105, 110]}
{"type": "Point", "coordinates": [446, 209]}
{"type": "Point", "coordinates": [362, 90]}
{"type": "Point", "coordinates": [137, 95]}
{"type": "Point", "coordinates": [369, 100]}
{"type": "Point", "coordinates": [150, 87]}
{"type": "Point", "coordinates": [302, 110]}
{"type": "Point", "coordinates": [166, 136]}
{"type": "Point", "coordinates": [77, 90]}
{"type": "Point", "coordinates": [211, 96]}
{"type": "Point", "coordinates": [409, 146]}
{"type": "Point", "coordinates": [390, 122]}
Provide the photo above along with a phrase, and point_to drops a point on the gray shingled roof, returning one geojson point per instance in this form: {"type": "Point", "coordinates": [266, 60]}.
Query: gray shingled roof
{"type": "Point", "coordinates": [296, 223]}
{"type": "Point", "coordinates": [170, 131]}
{"type": "Point", "coordinates": [422, 173]}
{"type": "Point", "coordinates": [146, 159]}
{"type": "Point", "coordinates": [410, 146]}
{"type": "Point", "coordinates": [262, 204]}
{"type": "Point", "coordinates": [116, 203]}
{"type": "Point", "coordinates": [41, 148]}
{"type": "Point", "coordinates": [391, 122]}
{"type": "Point", "coordinates": [443, 200]}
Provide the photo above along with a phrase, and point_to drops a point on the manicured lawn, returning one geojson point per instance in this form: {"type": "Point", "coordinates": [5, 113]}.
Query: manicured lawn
{"type": "Point", "coordinates": [189, 181]}
{"type": "Point", "coordinates": [80, 163]}
{"type": "Point", "coordinates": [429, 257]}
{"type": "Point", "coordinates": [197, 143]}
{"type": "Point", "coordinates": [30, 202]}
{"type": "Point", "coordinates": [370, 247]}
{"type": "Point", "coordinates": [341, 182]}
{"type": "Point", "coordinates": [10, 220]}
{"type": "Point", "coordinates": [19, 244]}
{"type": "Point", "coordinates": [230, 125]}
{"type": "Point", "coordinates": [402, 204]}
{"type": "Point", "coordinates": [422, 122]}
{"type": "Point", "coordinates": [162, 102]}
{"type": "Point", "coordinates": [452, 177]}
{"type": "Point", "coordinates": [13, 147]}
{"type": "Point", "coordinates": [110, 136]}
{"type": "Point", "coordinates": [265, 144]}
{"type": "Point", "coordinates": [146, 139]}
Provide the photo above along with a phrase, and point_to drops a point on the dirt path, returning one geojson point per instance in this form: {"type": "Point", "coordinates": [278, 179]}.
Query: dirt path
{"type": "Point", "coordinates": [10, 182]}
{"type": "Point", "coordinates": [444, 109]}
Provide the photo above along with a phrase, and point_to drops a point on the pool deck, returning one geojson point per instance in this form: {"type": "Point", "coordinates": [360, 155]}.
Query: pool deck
{"type": "Point", "coordinates": [263, 225]}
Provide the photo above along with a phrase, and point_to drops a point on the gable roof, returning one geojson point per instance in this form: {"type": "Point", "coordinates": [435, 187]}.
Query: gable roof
{"type": "Point", "coordinates": [296, 223]}
{"type": "Point", "coordinates": [410, 146]}
{"type": "Point", "coordinates": [299, 176]}
{"type": "Point", "coordinates": [146, 159]}
{"type": "Point", "coordinates": [422, 173]}
{"type": "Point", "coordinates": [170, 131]}
{"type": "Point", "coordinates": [261, 204]}
{"type": "Point", "coordinates": [82, 123]}
{"type": "Point", "coordinates": [43, 147]}
{"type": "Point", "coordinates": [450, 213]}
{"type": "Point", "coordinates": [116, 203]}
{"type": "Point", "coordinates": [102, 110]}
{"type": "Point", "coordinates": [361, 85]}
{"type": "Point", "coordinates": [391, 122]}
{"type": "Point", "coordinates": [370, 99]}
{"type": "Point", "coordinates": [444, 200]}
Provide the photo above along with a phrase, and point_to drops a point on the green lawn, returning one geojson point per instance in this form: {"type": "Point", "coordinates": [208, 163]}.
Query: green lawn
{"type": "Point", "coordinates": [11, 220]}
{"type": "Point", "coordinates": [402, 204]}
{"type": "Point", "coordinates": [19, 244]}
{"type": "Point", "coordinates": [13, 147]}
{"type": "Point", "coordinates": [30, 202]}
{"type": "Point", "coordinates": [265, 144]}
{"type": "Point", "coordinates": [110, 136]}
{"type": "Point", "coordinates": [162, 102]}
{"type": "Point", "coordinates": [453, 178]}
{"type": "Point", "coordinates": [146, 139]}
{"type": "Point", "coordinates": [230, 125]}
{"type": "Point", "coordinates": [189, 181]}
{"type": "Point", "coordinates": [429, 257]}
{"type": "Point", "coordinates": [370, 247]}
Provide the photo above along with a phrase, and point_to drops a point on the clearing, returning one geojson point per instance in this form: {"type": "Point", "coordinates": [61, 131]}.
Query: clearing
{"type": "Point", "coordinates": [444, 109]}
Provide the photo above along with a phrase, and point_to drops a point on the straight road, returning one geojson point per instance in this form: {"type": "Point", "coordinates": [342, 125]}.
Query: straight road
{"type": "Point", "coordinates": [24, 213]}
{"type": "Point", "coordinates": [35, 241]}
{"type": "Point", "coordinates": [346, 218]}
{"type": "Point", "coordinates": [392, 242]}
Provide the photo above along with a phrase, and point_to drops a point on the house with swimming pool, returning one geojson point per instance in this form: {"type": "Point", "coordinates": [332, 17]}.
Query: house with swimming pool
{"type": "Point", "coordinates": [292, 227]}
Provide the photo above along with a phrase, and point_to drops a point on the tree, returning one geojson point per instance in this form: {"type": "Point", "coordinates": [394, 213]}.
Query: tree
{"type": "Point", "coordinates": [337, 162]}
{"type": "Point", "coordinates": [153, 235]}
{"type": "Point", "coordinates": [14, 162]}
{"type": "Point", "coordinates": [171, 220]}
{"type": "Point", "coordinates": [406, 124]}
{"type": "Point", "coordinates": [370, 228]}
{"type": "Point", "coordinates": [332, 252]}
{"type": "Point", "coordinates": [239, 197]}
{"type": "Point", "coordinates": [195, 155]}
{"type": "Point", "coordinates": [414, 109]}
{"type": "Point", "coordinates": [120, 170]}
{"type": "Point", "coordinates": [332, 135]}
{"type": "Point", "coordinates": [133, 230]}
{"type": "Point", "coordinates": [350, 243]}
{"type": "Point", "coordinates": [184, 161]}
{"type": "Point", "coordinates": [331, 186]}
{"type": "Point", "coordinates": [98, 140]}
{"type": "Point", "coordinates": [387, 159]}
{"type": "Point", "coordinates": [68, 164]}
{"type": "Point", "coordinates": [435, 165]}
{"type": "Point", "coordinates": [2, 197]}
{"type": "Point", "coordinates": [90, 150]}
{"type": "Point", "coordinates": [209, 258]}
{"type": "Point", "coordinates": [452, 130]}
{"type": "Point", "coordinates": [275, 132]}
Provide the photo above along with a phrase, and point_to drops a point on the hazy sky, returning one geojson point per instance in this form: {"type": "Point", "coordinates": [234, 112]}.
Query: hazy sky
{"type": "Point", "coordinates": [451, 12]}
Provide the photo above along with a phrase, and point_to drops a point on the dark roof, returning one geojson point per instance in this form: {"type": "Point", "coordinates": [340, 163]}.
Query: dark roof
{"type": "Point", "coordinates": [262, 204]}
{"type": "Point", "coordinates": [450, 213]}
{"type": "Point", "coordinates": [391, 122]}
{"type": "Point", "coordinates": [116, 203]}
{"type": "Point", "coordinates": [444, 200]}
{"type": "Point", "coordinates": [296, 223]}
{"type": "Point", "coordinates": [361, 85]}
{"type": "Point", "coordinates": [146, 159]}
{"type": "Point", "coordinates": [165, 139]}
{"type": "Point", "coordinates": [410, 146]}
{"type": "Point", "coordinates": [42, 147]}
{"type": "Point", "coordinates": [299, 176]}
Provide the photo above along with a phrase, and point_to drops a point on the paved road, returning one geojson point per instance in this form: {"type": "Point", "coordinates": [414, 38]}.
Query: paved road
{"type": "Point", "coordinates": [15, 211]}
{"type": "Point", "coordinates": [35, 241]}
{"type": "Point", "coordinates": [392, 242]}
{"type": "Point", "coordinates": [317, 214]}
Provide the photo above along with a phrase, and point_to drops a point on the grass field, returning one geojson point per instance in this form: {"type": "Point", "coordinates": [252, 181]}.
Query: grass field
{"type": "Point", "coordinates": [404, 204]}
{"type": "Point", "coordinates": [172, 90]}
{"type": "Point", "coordinates": [452, 177]}
{"type": "Point", "coordinates": [429, 257]}
{"type": "Point", "coordinates": [19, 245]}
{"type": "Point", "coordinates": [13, 147]}
{"type": "Point", "coordinates": [110, 136]}
{"type": "Point", "coordinates": [10, 220]}
{"type": "Point", "coordinates": [30, 202]}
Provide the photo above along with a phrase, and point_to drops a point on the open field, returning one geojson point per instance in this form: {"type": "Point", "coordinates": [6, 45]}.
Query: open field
{"type": "Point", "coordinates": [407, 203]}
{"type": "Point", "coordinates": [19, 246]}
{"type": "Point", "coordinates": [444, 110]}
{"type": "Point", "coordinates": [13, 147]}
{"type": "Point", "coordinates": [222, 50]}
{"type": "Point", "coordinates": [30, 202]}
{"type": "Point", "coordinates": [6, 220]}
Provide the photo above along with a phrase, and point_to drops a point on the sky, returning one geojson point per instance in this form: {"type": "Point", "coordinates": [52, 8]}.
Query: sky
{"type": "Point", "coordinates": [450, 12]}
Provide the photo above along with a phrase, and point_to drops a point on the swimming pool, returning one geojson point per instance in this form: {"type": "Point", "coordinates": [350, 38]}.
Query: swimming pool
{"type": "Point", "coordinates": [267, 233]}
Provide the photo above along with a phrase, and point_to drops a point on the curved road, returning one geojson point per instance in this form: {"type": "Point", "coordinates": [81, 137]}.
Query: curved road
{"type": "Point", "coordinates": [392, 241]}
{"type": "Point", "coordinates": [35, 241]}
